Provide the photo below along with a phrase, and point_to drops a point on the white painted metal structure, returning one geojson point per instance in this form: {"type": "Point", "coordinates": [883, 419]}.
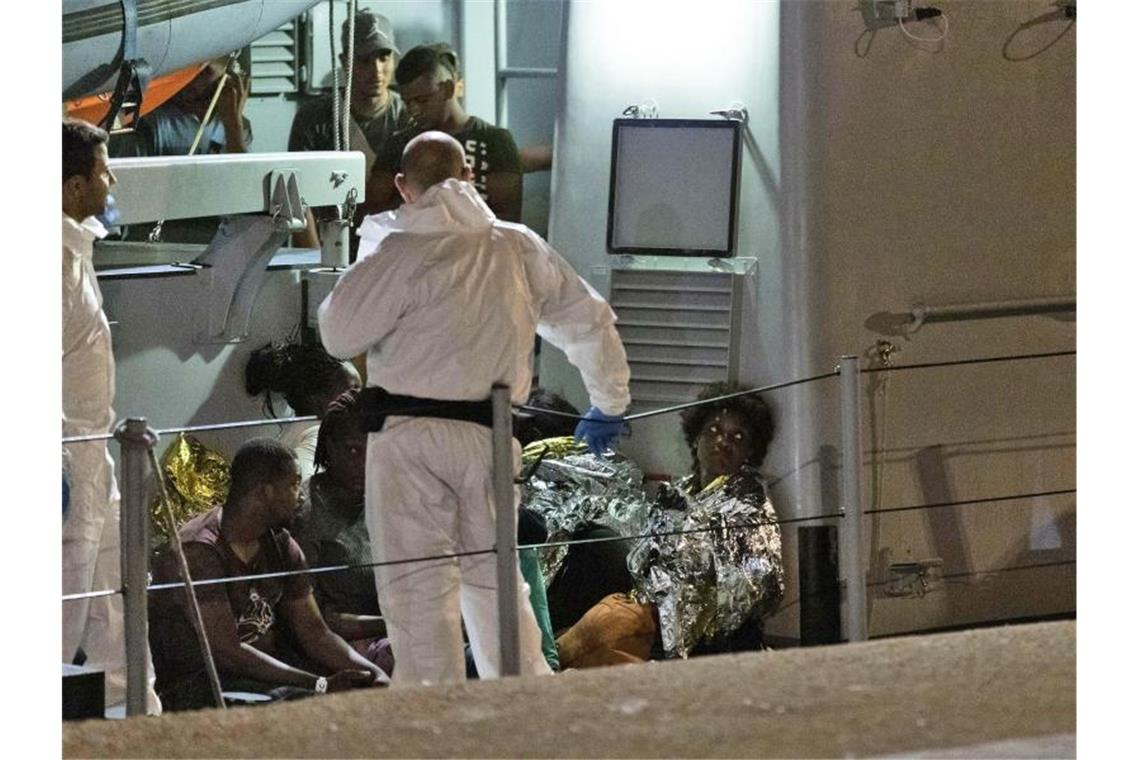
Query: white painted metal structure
{"type": "Point", "coordinates": [182, 187]}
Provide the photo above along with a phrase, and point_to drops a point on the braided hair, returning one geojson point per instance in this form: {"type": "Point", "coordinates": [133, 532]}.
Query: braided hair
{"type": "Point", "coordinates": [344, 415]}
{"type": "Point", "coordinates": [752, 409]}
{"type": "Point", "coordinates": [298, 372]}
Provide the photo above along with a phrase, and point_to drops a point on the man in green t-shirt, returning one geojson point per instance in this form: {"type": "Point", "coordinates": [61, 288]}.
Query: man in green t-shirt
{"type": "Point", "coordinates": [428, 79]}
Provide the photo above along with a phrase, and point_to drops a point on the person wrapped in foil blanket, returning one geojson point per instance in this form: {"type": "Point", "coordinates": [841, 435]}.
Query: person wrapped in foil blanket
{"type": "Point", "coordinates": [713, 562]}
{"type": "Point", "coordinates": [707, 567]}
{"type": "Point", "coordinates": [574, 490]}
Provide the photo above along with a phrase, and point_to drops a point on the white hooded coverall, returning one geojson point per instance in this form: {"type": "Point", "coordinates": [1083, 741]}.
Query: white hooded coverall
{"type": "Point", "coordinates": [91, 560]}
{"type": "Point", "coordinates": [447, 305]}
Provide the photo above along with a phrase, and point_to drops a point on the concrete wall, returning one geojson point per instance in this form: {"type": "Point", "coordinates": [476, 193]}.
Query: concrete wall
{"type": "Point", "coordinates": [882, 173]}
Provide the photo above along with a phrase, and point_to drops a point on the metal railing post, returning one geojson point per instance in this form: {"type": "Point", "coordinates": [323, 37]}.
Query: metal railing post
{"type": "Point", "coordinates": [851, 527]}
{"type": "Point", "coordinates": [135, 442]}
{"type": "Point", "coordinates": [506, 527]}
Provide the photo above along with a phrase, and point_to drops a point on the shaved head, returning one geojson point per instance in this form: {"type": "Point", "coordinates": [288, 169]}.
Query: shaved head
{"type": "Point", "coordinates": [428, 159]}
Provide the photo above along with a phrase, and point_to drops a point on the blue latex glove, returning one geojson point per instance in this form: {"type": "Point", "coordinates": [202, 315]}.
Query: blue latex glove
{"type": "Point", "coordinates": [599, 429]}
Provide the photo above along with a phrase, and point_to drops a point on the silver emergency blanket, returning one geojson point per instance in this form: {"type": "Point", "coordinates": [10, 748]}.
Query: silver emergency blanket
{"type": "Point", "coordinates": [721, 569]}
{"type": "Point", "coordinates": [572, 488]}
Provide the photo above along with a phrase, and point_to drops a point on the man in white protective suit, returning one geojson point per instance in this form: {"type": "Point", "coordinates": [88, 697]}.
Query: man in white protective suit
{"type": "Point", "coordinates": [446, 299]}
{"type": "Point", "coordinates": [91, 525]}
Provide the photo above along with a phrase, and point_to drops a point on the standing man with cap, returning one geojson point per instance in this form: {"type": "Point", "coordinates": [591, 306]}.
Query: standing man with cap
{"type": "Point", "coordinates": [377, 112]}
{"type": "Point", "coordinates": [91, 560]}
{"type": "Point", "coordinates": [447, 305]}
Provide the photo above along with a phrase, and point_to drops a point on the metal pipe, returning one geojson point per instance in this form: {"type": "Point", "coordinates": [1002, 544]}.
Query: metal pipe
{"type": "Point", "coordinates": [500, 63]}
{"type": "Point", "coordinates": [506, 530]}
{"type": "Point", "coordinates": [851, 527]}
{"type": "Point", "coordinates": [135, 442]}
{"type": "Point", "coordinates": [921, 314]}
{"type": "Point", "coordinates": [524, 72]}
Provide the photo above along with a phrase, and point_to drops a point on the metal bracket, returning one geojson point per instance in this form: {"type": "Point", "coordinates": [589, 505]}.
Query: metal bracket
{"type": "Point", "coordinates": [235, 268]}
{"type": "Point", "coordinates": [735, 112]}
{"type": "Point", "coordinates": [285, 200]}
{"type": "Point", "coordinates": [913, 578]}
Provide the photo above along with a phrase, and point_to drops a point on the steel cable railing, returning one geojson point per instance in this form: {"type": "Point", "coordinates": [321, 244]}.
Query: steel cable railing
{"type": "Point", "coordinates": [326, 569]}
{"type": "Point", "coordinates": [964, 362]}
{"type": "Point", "coordinates": [970, 502]}
{"type": "Point", "coordinates": [196, 428]}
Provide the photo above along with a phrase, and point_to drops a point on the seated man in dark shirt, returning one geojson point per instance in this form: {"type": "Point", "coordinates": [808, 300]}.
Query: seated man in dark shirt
{"type": "Point", "coordinates": [267, 635]}
{"type": "Point", "coordinates": [331, 530]}
{"type": "Point", "coordinates": [429, 79]}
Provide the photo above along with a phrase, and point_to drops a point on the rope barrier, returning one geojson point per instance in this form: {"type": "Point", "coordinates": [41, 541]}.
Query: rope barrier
{"type": "Point", "coordinates": [640, 536]}
{"type": "Point", "coordinates": [991, 571]}
{"type": "Point", "coordinates": [92, 594]}
{"type": "Point", "coordinates": [342, 568]}
{"type": "Point", "coordinates": [84, 438]}
{"type": "Point", "coordinates": [573, 542]}
{"type": "Point", "coordinates": [763, 389]}
{"type": "Point", "coordinates": [877, 584]}
{"type": "Point", "coordinates": [957, 362]}
{"type": "Point", "coordinates": [967, 502]}
{"type": "Point", "coordinates": [546, 545]}
{"type": "Point", "coordinates": [628, 418]}
{"type": "Point", "coordinates": [687, 405]}
{"type": "Point", "coordinates": [288, 573]}
{"type": "Point", "coordinates": [1012, 568]}
{"type": "Point", "coordinates": [197, 428]}
{"type": "Point", "coordinates": [235, 425]}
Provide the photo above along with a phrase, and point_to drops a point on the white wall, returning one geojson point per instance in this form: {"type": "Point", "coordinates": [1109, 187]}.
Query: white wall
{"type": "Point", "coordinates": [882, 174]}
{"type": "Point", "coordinates": [730, 53]}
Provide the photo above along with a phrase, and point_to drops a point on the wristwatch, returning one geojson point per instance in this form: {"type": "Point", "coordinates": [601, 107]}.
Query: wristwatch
{"type": "Point", "coordinates": [322, 685]}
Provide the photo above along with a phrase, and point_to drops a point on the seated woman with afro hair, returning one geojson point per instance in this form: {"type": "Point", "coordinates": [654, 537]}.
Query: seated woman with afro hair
{"type": "Point", "coordinates": [707, 586]}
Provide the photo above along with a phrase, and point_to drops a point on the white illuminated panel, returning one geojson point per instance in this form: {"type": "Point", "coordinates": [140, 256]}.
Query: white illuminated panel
{"type": "Point", "coordinates": [673, 187]}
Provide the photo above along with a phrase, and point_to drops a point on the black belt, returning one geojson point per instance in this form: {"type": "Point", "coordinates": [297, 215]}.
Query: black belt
{"type": "Point", "coordinates": [378, 404]}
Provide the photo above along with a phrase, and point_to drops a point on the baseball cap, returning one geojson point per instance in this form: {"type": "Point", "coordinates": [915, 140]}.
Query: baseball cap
{"type": "Point", "coordinates": [372, 34]}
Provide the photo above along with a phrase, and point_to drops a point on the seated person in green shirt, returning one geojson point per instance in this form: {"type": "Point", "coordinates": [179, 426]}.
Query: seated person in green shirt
{"type": "Point", "coordinates": [331, 531]}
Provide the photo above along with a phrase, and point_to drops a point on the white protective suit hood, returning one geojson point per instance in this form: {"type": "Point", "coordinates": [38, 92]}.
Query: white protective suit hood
{"type": "Point", "coordinates": [451, 204]}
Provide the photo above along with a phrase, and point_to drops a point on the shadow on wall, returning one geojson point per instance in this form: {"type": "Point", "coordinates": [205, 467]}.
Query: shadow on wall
{"type": "Point", "coordinates": [1029, 41]}
{"type": "Point", "coordinates": [763, 170]}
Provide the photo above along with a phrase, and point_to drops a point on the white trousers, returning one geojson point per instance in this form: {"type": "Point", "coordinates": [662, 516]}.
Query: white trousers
{"type": "Point", "coordinates": [91, 562]}
{"type": "Point", "coordinates": [429, 492]}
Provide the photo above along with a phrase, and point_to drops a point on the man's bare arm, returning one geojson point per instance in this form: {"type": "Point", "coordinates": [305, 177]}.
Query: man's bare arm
{"type": "Point", "coordinates": [238, 658]}
{"type": "Point", "coordinates": [319, 643]}
{"type": "Point", "coordinates": [504, 195]}
{"type": "Point", "coordinates": [231, 109]}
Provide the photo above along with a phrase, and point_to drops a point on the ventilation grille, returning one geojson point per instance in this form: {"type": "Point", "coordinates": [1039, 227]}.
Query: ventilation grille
{"type": "Point", "coordinates": [273, 62]}
{"type": "Point", "coordinates": [680, 331]}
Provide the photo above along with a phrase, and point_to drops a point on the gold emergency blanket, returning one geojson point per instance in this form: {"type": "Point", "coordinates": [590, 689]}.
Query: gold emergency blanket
{"type": "Point", "coordinates": [572, 488]}
{"type": "Point", "coordinates": [721, 568]}
{"type": "Point", "coordinates": [197, 479]}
